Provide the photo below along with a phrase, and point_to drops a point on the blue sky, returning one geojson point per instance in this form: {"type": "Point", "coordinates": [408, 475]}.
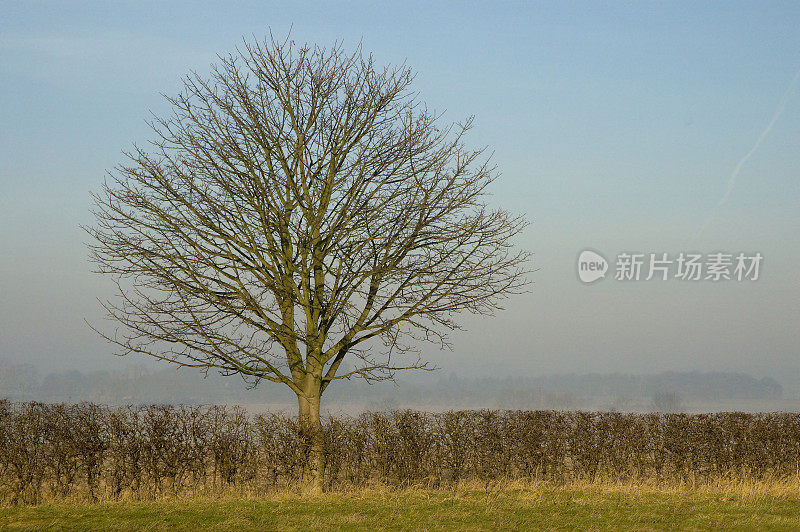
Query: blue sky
{"type": "Point", "coordinates": [616, 126]}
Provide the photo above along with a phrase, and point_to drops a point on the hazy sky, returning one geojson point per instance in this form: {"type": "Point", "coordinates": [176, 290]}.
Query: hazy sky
{"type": "Point", "coordinates": [617, 127]}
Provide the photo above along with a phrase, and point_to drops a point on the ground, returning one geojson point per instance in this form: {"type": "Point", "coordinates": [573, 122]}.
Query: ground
{"type": "Point", "coordinates": [508, 507]}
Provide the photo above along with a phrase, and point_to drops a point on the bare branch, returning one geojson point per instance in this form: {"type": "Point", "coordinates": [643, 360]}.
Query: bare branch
{"type": "Point", "coordinates": [301, 208]}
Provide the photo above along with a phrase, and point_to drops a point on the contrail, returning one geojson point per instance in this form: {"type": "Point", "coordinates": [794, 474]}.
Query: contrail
{"type": "Point", "coordinates": [735, 173]}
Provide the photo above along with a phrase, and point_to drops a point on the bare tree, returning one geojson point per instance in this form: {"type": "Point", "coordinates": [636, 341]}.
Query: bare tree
{"type": "Point", "coordinates": [301, 217]}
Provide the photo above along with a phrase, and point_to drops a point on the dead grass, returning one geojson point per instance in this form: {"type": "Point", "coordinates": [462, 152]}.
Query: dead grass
{"type": "Point", "coordinates": [719, 504]}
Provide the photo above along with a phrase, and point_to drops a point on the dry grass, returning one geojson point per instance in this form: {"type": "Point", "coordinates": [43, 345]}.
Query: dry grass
{"type": "Point", "coordinates": [511, 505]}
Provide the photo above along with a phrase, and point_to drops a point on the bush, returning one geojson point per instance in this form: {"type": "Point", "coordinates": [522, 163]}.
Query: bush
{"type": "Point", "coordinates": [88, 451]}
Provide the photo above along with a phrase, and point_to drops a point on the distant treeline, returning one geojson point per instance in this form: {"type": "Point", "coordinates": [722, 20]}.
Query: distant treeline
{"type": "Point", "coordinates": [608, 391]}
{"type": "Point", "coordinates": [22, 382]}
{"type": "Point", "coordinates": [87, 451]}
{"type": "Point", "coordinates": [667, 391]}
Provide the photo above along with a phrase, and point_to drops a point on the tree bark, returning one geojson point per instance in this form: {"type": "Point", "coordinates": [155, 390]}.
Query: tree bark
{"type": "Point", "coordinates": [313, 443]}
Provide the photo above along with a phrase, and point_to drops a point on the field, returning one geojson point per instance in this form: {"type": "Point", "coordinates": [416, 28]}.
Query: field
{"type": "Point", "coordinates": [467, 507]}
{"type": "Point", "coordinates": [87, 467]}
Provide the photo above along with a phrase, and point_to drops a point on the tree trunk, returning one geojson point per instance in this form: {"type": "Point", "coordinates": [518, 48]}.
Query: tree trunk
{"type": "Point", "coordinates": [313, 442]}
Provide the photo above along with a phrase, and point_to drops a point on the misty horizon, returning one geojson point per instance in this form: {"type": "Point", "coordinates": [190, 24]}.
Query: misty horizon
{"type": "Point", "coordinates": [666, 134]}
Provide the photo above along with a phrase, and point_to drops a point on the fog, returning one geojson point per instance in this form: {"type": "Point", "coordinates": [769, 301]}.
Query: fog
{"type": "Point", "coordinates": [616, 129]}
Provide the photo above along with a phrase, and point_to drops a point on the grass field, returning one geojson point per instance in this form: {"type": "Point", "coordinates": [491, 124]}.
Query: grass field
{"type": "Point", "coordinates": [509, 507]}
